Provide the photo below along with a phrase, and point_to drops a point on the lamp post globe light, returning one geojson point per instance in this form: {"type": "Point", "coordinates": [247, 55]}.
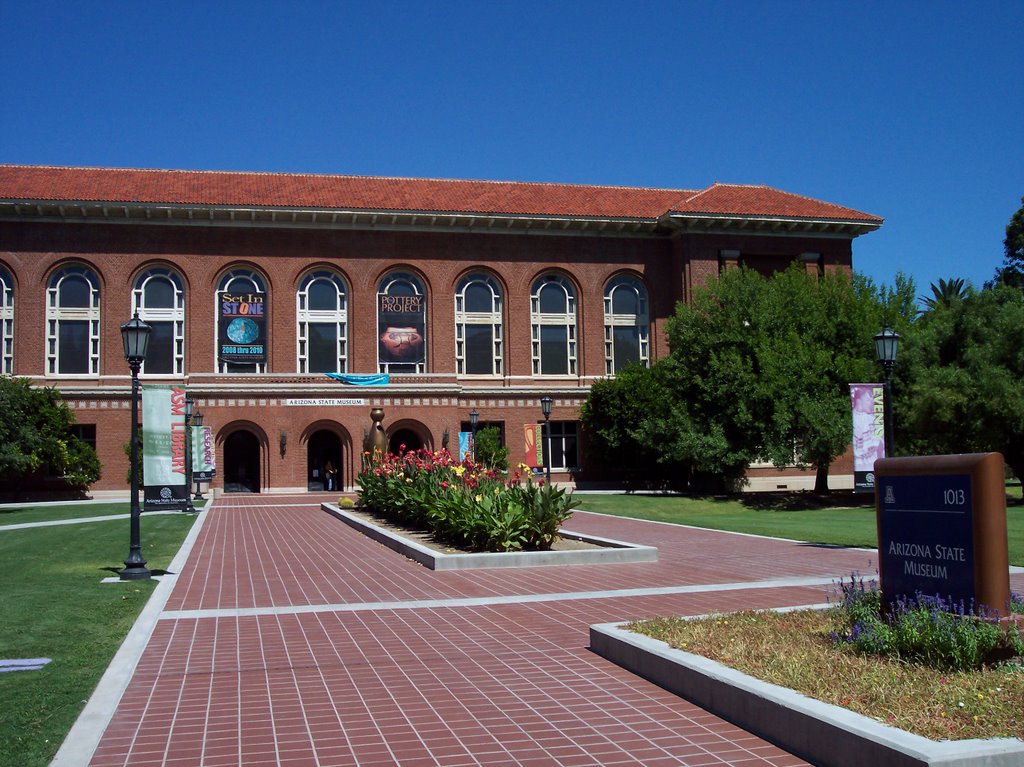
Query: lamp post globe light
{"type": "Point", "coordinates": [474, 419]}
{"type": "Point", "coordinates": [189, 407]}
{"type": "Point", "coordinates": [887, 343]}
{"type": "Point", "coordinates": [135, 335]}
{"type": "Point", "coordinates": [545, 407]}
{"type": "Point", "coordinates": [197, 421]}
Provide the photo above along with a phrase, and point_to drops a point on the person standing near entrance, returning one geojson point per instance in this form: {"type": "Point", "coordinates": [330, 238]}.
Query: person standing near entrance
{"type": "Point", "coordinates": [330, 473]}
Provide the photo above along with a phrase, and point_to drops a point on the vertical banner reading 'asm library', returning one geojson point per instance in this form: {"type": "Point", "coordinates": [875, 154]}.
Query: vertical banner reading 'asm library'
{"type": "Point", "coordinates": [867, 401]}
{"type": "Point", "coordinates": [163, 442]}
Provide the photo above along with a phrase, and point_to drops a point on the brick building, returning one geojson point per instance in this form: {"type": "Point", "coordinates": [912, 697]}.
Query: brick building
{"type": "Point", "coordinates": [464, 294]}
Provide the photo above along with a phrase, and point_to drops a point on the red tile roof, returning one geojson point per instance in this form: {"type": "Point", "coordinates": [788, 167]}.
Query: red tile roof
{"type": "Point", "coordinates": [746, 200]}
{"type": "Point", "coordinates": [286, 190]}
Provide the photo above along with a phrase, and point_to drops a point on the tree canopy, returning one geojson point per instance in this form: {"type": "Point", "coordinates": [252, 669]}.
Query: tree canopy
{"type": "Point", "coordinates": [961, 382]}
{"type": "Point", "coordinates": [759, 369]}
{"type": "Point", "coordinates": [36, 439]}
{"type": "Point", "coordinates": [1012, 271]}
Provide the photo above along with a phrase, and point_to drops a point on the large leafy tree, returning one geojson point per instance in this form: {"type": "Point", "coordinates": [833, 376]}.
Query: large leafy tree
{"type": "Point", "coordinates": [816, 340]}
{"type": "Point", "coordinates": [759, 369]}
{"type": "Point", "coordinates": [1012, 271]}
{"type": "Point", "coordinates": [36, 439]}
{"type": "Point", "coordinates": [623, 417]}
{"type": "Point", "coordinates": [962, 383]}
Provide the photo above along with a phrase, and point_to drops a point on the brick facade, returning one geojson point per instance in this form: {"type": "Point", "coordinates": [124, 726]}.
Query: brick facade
{"type": "Point", "coordinates": [670, 262]}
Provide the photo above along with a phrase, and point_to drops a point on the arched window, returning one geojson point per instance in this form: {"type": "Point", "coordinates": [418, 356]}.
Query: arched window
{"type": "Point", "coordinates": [73, 322]}
{"type": "Point", "coordinates": [242, 323]}
{"type": "Point", "coordinates": [553, 318]}
{"type": "Point", "coordinates": [322, 317]}
{"type": "Point", "coordinates": [478, 331]}
{"type": "Point", "coordinates": [626, 324]}
{"type": "Point", "coordinates": [401, 324]}
{"type": "Point", "coordinates": [6, 322]}
{"type": "Point", "coordinates": [159, 299]}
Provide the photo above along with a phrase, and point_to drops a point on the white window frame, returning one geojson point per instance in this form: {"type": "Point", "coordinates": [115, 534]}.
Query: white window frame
{"type": "Point", "coordinates": [175, 314]}
{"type": "Point", "coordinates": [560, 431]}
{"type": "Point", "coordinates": [56, 314]}
{"type": "Point", "coordinates": [225, 284]}
{"type": "Point", "coordinates": [304, 317]}
{"type": "Point", "coordinates": [540, 319]}
{"type": "Point", "coordinates": [493, 318]}
{"type": "Point", "coordinates": [640, 320]}
{"type": "Point", "coordinates": [6, 322]}
{"type": "Point", "coordinates": [418, 289]}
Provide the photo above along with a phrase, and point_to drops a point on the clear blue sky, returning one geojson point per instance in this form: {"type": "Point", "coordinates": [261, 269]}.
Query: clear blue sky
{"type": "Point", "coordinates": [913, 111]}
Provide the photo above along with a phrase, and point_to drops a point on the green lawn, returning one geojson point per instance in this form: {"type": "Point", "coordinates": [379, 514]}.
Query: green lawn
{"type": "Point", "coordinates": [53, 605]}
{"type": "Point", "coordinates": [71, 510]}
{"type": "Point", "coordinates": [795, 516]}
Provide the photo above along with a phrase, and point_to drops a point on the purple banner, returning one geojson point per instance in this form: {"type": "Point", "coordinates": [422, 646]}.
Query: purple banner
{"type": "Point", "coordinates": [868, 433]}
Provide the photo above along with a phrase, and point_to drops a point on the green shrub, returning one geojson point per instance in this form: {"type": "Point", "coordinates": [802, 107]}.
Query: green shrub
{"type": "Point", "coordinates": [489, 450]}
{"type": "Point", "coordinates": [925, 629]}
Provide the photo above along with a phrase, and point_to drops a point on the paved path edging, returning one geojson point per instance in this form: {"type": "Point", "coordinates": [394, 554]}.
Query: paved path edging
{"type": "Point", "coordinates": [83, 738]}
{"type": "Point", "coordinates": [819, 732]}
{"type": "Point", "coordinates": [614, 552]}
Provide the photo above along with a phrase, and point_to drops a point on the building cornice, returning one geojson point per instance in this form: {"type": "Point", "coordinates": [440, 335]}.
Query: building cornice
{"type": "Point", "coordinates": [198, 215]}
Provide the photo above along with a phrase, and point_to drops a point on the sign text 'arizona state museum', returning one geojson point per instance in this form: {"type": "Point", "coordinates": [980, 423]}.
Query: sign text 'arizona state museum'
{"type": "Point", "coordinates": [942, 529]}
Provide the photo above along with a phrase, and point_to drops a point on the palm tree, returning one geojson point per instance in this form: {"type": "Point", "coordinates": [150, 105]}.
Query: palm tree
{"type": "Point", "coordinates": [944, 293]}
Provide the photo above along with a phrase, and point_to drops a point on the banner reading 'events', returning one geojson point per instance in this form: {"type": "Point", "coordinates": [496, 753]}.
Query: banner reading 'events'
{"type": "Point", "coordinates": [867, 401]}
{"type": "Point", "coordinates": [163, 443]}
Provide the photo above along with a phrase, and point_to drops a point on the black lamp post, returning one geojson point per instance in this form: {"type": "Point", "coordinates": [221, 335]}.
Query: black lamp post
{"type": "Point", "coordinates": [474, 419]}
{"type": "Point", "coordinates": [545, 407]}
{"type": "Point", "coordinates": [197, 421]}
{"type": "Point", "coordinates": [886, 345]}
{"type": "Point", "coordinates": [135, 335]}
{"type": "Point", "coordinates": [189, 407]}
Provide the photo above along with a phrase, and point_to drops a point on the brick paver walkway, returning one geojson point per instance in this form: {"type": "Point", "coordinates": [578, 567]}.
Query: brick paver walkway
{"type": "Point", "coordinates": [292, 641]}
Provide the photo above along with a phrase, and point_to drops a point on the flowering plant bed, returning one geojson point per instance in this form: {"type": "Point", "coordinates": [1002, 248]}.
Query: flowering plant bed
{"type": "Point", "coordinates": [463, 503]}
{"type": "Point", "coordinates": [814, 653]}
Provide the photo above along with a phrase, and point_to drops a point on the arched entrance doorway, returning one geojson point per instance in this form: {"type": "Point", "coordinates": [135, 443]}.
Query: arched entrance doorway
{"type": "Point", "coordinates": [406, 437]}
{"type": "Point", "coordinates": [323, 456]}
{"type": "Point", "coordinates": [242, 462]}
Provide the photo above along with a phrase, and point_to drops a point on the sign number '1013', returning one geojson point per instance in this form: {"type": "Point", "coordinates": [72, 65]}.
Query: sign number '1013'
{"type": "Point", "coordinates": [954, 497]}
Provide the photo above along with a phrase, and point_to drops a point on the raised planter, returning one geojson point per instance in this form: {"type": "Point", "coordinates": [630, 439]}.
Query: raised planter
{"type": "Point", "coordinates": [606, 551]}
{"type": "Point", "coordinates": [821, 733]}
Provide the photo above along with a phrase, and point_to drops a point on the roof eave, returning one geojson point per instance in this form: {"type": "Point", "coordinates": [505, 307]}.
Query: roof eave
{"type": "Point", "coordinates": [95, 211]}
{"type": "Point", "coordinates": [780, 225]}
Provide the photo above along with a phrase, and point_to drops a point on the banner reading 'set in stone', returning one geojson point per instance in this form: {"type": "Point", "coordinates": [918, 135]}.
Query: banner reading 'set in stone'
{"type": "Point", "coordinates": [242, 327]}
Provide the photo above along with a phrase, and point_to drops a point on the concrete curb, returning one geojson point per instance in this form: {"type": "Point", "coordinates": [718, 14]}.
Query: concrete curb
{"type": "Point", "coordinates": [83, 738]}
{"type": "Point", "coordinates": [821, 733]}
{"type": "Point", "coordinates": [617, 552]}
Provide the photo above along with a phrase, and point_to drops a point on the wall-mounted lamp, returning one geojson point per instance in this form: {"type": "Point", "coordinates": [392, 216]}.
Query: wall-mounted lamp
{"type": "Point", "coordinates": [284, 443]}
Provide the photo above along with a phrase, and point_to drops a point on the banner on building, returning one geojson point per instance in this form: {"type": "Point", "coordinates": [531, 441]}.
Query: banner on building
{"type": "Point", "coordinates": [242, 327]}
{"type": "Point", "coordinates": [868, 403]}
{"type": "Point", "coordinates": [203, 455]}
{"type": "Point", "coordinates": [401, 331]}
{"type": "Point", "coordinates": [534, 445]}
{"type": "Point", "coordinates": [465, 445]}
{"type": "Point", "coordinates": [163, 447]}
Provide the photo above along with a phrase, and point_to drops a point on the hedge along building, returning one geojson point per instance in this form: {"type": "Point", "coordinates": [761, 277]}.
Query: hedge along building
{"type": "Point", "coordinates": [462, 295]}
